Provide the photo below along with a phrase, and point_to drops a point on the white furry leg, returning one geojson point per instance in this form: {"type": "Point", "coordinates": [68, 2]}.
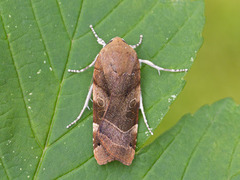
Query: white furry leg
{"type": "Point", "coordinates": [84, 107]}
{"type": "Point", "coordinates": [143, 113]}
{"type": "Point", "coordinates": [160, 68]}
{"type": "Point", "coordinates": [81, 70]}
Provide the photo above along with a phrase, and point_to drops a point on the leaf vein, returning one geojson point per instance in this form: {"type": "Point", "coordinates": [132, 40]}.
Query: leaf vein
{"type": "Point", "coordinates": [175, 33]}
{"type": "Point", "coordinates": [4, 168]}
{"type": "Point", "coordinates": [63, 135]}
{"type": "Point", "coordinates": [141, 19]}
{"type": "Point", "coordinates": [236, 174]}
{"type": "Point", "coordinates": [161, 99]}
{"type": "Point", "coordinates": [61, 15]}
{"type": "Point", "coordinates": [115, 7]}
{"type": "Point", "coordinates": [233, 152]}
{"type": "Point", "coordinates": [168, 145]}
{"type": "Point", "coordinates": [20, 85]}
{"type": "Point", "coordinates": [41, 36]}
{"type": "Point", "coordinates": [76, 167]}
{"type": "Point", "coordinates": [56, 103]}
{"type": "Point", "coordinates": [200, 140]}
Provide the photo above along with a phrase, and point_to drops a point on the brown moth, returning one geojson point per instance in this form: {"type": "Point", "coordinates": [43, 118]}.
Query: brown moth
{"type": "Point", "coordinates": [116, 100]}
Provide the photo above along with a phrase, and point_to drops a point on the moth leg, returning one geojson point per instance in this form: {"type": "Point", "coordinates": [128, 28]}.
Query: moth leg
{"type": "Point", "coordinates": [138, 44]}
{"type": "Point", "coordinates": [84, 107]}
{"type": "Point", "coordinates": [160, 68]}
{"type": "Point", "coordinates": [143, 113]}
{"type": "Point", "coordinates": [81, 70]}
{"type": "Point", "coordinates": [99, 40]}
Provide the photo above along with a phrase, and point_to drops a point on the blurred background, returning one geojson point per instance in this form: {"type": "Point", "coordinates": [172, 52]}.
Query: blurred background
{"type": "Point", "coordinates": [215, 73]}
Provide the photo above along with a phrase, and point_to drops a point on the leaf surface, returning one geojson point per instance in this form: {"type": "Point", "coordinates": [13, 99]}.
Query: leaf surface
{"type": "Point", "coordinates": [205, 145]}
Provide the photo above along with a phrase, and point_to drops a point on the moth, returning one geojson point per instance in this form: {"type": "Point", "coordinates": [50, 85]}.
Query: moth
{"type": "Point", "coordinates": [116, 100]}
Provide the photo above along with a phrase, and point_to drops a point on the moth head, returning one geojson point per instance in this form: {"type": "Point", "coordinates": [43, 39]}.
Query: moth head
{"type": "Point", "coordinates": [116, 40]}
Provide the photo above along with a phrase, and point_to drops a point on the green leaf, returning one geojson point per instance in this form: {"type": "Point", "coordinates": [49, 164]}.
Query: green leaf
{"type": "Point", "coordinates": [40, 40]}
{"type": "Point", "coordinates": [203, 146]}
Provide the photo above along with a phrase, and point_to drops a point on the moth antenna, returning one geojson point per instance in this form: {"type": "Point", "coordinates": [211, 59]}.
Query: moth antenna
{"type": "Point", "coordinates": [138, 44]}
{"type": "Point", "coordinates": [144, 116]}
{"type": "Point", "coordinates": [99, 40]}
{"type": "Point", "coordinates": [84, 107]}
{"type": "Point", "coordinates": [160, 68]}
